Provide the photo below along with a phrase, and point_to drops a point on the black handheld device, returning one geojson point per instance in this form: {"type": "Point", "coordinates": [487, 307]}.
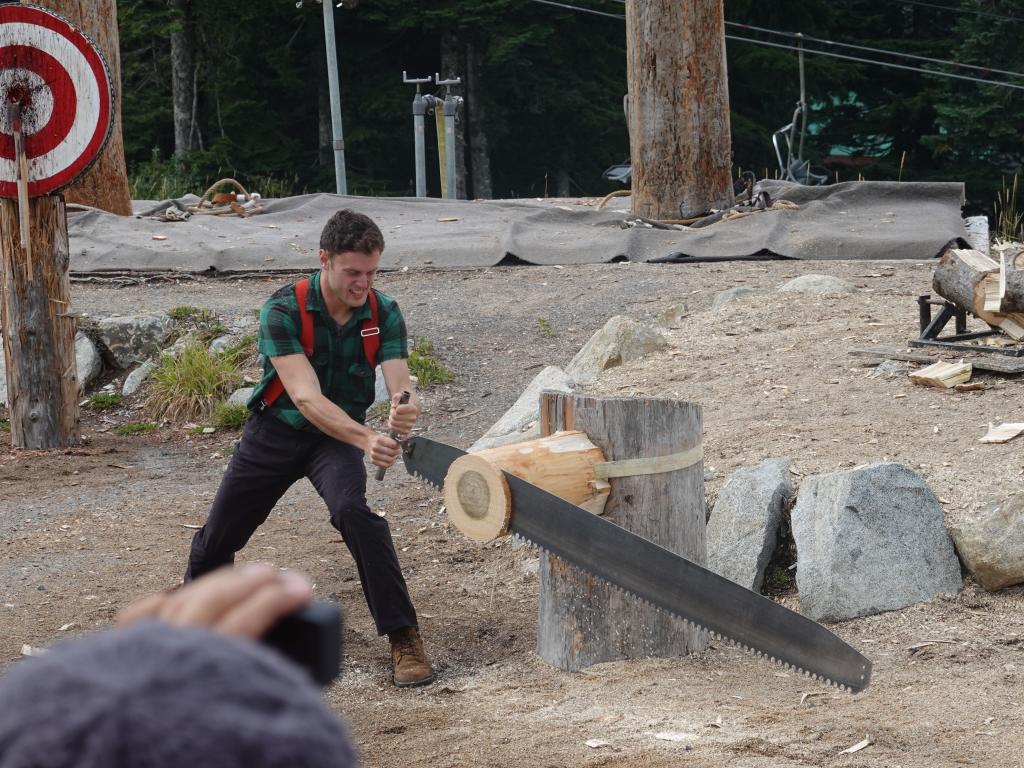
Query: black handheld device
{"type": "Point", "coordinates": [311, 637]}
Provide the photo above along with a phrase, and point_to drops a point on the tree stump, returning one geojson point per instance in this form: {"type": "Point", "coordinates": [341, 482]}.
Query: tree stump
{"type": "Point", "coordinates": [584, 621]}
{"type": "Point", "coordinates": [38, 328]}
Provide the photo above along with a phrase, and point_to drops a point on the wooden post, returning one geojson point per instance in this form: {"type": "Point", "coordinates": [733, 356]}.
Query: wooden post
{"type": "Point", "coordinates": [38, 328]}
{"type": "Point", "coordinates": [584, 621]}
{"type": "Point", "coordinates": [679, 134]}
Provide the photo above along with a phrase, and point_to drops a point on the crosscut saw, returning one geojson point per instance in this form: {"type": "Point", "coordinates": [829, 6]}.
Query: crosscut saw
{"type": "Point", "coordinates": [728, 611]}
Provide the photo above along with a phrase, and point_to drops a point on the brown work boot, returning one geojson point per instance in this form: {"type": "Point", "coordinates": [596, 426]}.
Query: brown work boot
{"type": "Point", "coordinates": [412, 667]}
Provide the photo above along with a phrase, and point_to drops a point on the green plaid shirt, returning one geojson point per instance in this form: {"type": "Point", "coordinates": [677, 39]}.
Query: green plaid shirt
{"type": "Point", "coordinates": [346, 378]}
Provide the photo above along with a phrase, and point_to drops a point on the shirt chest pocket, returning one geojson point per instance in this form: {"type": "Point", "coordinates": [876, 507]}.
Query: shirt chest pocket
{"type": "Point", "coordinates": [361, 381]}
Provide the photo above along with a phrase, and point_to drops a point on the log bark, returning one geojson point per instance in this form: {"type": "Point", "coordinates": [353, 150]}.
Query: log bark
{"type": "Point", "coordinates": [962, 276]}
{"type": "Point", "coordinates": [38, 328]}
{"type": "Point", "coordinates": [105, 184]}
{"type": "Point", "coordinates": [1013, 283]}
{"type": "Point", "coordinates": [584, 621]}
{"type": "Point", "coordinates": [680, 142]}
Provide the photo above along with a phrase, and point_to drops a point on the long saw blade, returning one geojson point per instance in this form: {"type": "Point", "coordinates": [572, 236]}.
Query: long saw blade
{"type": "Point", "coordinates": [662, 578]}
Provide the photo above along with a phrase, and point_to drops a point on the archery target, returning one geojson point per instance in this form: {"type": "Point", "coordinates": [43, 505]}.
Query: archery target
{"type": "Point", "coordinates": [63, 86]}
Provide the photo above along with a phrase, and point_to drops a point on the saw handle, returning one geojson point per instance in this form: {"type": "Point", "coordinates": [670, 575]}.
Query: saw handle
{"type": "Point", "coordinates": [392, 434]}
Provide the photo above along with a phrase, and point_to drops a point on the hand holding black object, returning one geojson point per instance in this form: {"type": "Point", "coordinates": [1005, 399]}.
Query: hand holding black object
{"type": "Point", "coordinates": [393, 434]}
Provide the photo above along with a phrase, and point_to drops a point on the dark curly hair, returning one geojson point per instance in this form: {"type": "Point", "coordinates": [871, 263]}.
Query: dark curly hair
{"type": "Point", "coordinates": [350, 231]}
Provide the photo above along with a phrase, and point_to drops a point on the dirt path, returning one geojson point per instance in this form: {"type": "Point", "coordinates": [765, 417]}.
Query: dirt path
{"type": "Point", "coordinates": [85, 531]}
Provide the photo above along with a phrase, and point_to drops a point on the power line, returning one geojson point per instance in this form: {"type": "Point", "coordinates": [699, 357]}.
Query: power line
{"type": "Point", "coordinates": [823, 41]}
{"type": "Point", "coordinates": [832, 54]}
{"type": "Point", "coordinates": [962, 10]}
{"type": "Point", "coordinates": [581, 9]}
{"type": "Point", "coordinates": [890, 64]}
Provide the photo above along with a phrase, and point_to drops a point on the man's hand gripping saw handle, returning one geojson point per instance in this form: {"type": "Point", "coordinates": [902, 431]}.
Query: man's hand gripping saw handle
{"type": "Point", "coordinates": [393, 435]}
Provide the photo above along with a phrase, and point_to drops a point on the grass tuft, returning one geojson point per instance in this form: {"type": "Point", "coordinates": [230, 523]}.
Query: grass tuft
{"type": "Point", "coordinates": [230, 416]}
{"type": "Point", "coordinates": [103, 401]}
{"type": "Point", "coordinates": [424, 365]}
{"type": "Point", "coordinates": [190, 386]}
{"type": "Point", "coordinates": [135, 428]}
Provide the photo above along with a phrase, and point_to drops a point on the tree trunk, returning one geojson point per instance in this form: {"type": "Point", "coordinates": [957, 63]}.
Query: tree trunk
{"type": "Point", "coordinates": [479, 153]}
{"type": "Point", "coordinates": [38, 329]}
{"type": "Point", "coordinates": [183, 79]}
{"type": "Point", "coordinates": [584, 621]}
{"type": "Point", "coordinates": [105, 185]}
{"type": "Point", "coordinates": [678, 107]}
{"type": "Point", "coordinates": [453, 64]}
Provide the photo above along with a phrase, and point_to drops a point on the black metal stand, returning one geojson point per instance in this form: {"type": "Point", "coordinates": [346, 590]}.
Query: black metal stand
{"type": "Point", "coordinates": [931, 327]}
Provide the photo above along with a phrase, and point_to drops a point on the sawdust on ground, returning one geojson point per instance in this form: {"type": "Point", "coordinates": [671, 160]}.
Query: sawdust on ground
{"type": "Point", "coordinates": [85, 531]}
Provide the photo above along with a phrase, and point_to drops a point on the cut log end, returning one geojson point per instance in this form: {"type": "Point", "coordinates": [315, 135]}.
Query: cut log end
{"type": "Point", "coordinates": [477, 496]}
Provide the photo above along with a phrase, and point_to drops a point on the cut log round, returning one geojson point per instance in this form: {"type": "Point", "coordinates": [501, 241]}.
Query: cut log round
{"type": "Point", "coordinates": [477, 495]}
{"type": "Point", "coordinates": [959, 275]}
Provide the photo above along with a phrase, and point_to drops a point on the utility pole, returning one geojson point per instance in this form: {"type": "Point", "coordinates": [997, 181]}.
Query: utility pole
{"type": "Point", "coordinates": [680, 144]}
{"type": "Point", "coordinates": [341, 178]}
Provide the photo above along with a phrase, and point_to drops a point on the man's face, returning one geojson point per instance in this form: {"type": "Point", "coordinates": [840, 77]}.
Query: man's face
{"type": "Point", "coordinates": [349, 275]}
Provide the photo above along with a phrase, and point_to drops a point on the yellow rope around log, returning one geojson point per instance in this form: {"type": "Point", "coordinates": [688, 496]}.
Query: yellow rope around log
{"type": "Point", "coordinates": [649, 466]}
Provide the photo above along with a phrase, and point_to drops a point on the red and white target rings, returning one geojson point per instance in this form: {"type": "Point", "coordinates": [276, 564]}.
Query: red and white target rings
{"type": "Point", "coordinates": [63, 86]}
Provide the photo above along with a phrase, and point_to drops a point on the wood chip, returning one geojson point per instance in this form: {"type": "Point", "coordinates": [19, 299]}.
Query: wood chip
{"type": "Point", "coordinates": [975, 387]}
{"type": "Point", "coordinates": [66, 627]}
{"type": "Point", "coordinates": [805, 696]}
{"type": "Point", "coordinates": [1004, 433]}
{"type": "Point", "coordinates": [449, 218]}
{"type": "Point", "coordinates": [191, 527]}
{"type": "Point", "coordinates": [159, 237]}
{"type": "Point", "coordinates": [868, 741]}
{"type": "Point", "coordinates": [596, 743]}
{"type": "Point", "coordinates": [674, 736]}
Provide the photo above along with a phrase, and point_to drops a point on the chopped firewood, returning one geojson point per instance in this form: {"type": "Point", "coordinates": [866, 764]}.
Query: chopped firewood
{"type": "Point", "coordinates": [1004, 433]}
{"type": "Point", "coordinates": [943, 375]}
{"type": "Point", "coordinates": [966, 278]}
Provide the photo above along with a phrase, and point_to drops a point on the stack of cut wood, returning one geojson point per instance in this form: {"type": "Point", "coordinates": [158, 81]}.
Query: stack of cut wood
{"type": "Point", "coordinates": [992, 291]}
{"type": "Point", "coordinates": [943, 375]}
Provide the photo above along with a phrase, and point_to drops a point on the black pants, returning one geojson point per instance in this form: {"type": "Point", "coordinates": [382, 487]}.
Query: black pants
{"type": "Point", "coordinates": [269, 459]}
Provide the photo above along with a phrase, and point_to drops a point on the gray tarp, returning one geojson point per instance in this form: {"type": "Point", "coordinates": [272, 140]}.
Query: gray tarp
{"type": "Point", "coordinates": [853, 220]}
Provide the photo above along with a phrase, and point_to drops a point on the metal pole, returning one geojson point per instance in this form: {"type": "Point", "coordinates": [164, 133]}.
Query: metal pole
{"type": "Point", "coordinates": [335, 89]}
{"type": "Point", "coordinates": [803, 102]}
{"type": "Point", "coordinates": [419, 111]}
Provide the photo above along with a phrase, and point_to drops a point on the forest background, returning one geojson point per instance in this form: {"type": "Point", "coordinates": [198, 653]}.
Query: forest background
{"type": "Point", "coordinates": [544, 89]}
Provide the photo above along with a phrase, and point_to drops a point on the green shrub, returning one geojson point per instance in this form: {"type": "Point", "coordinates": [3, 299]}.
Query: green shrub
{"type": "Point", "coordinates": [424, 365]}
{"type": "Point", "coordinates": [190, 386]}
{"type": "Point", "coordinates": [5, 425]}
{"type": "Point", "coordinates": [101, 401]}
{"type": "Point", "coordinates": [135, 428]}
{"type": "Point", "coordinates": [545, 328]}
{"type": "Point", "coordinates": [230, 416]}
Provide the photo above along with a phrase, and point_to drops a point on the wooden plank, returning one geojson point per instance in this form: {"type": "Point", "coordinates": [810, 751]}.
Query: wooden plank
{"type": "Point", "coordinates": [584, 621]}
{"type": "Point", "coordinates": [994, 362]}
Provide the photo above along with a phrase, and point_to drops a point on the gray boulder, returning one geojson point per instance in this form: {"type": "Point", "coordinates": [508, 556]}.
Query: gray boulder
{"type": "Point", "coordinates": [88, 360]}
{"type": "Point", "coordinates": [134, 338]}
{"type": "Point", "coordinates": [241, 396]}
{"type": "Point", "coordinates": [134, 380]}
{"type": "Point", "coordinates": [742, 531]}
{"type": "Point", "coordinates": [520, 421]}
{"type": "Point", "coordinates": [731, 294]}
{"type": "Point", "coordinates": [868, 540]}
{"type": "Point", "coordinates": [618, 342]}
{"type": "Point", "coordinates": [820, 284]}
{"type": "Point", "coordinates": [991, 542]}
